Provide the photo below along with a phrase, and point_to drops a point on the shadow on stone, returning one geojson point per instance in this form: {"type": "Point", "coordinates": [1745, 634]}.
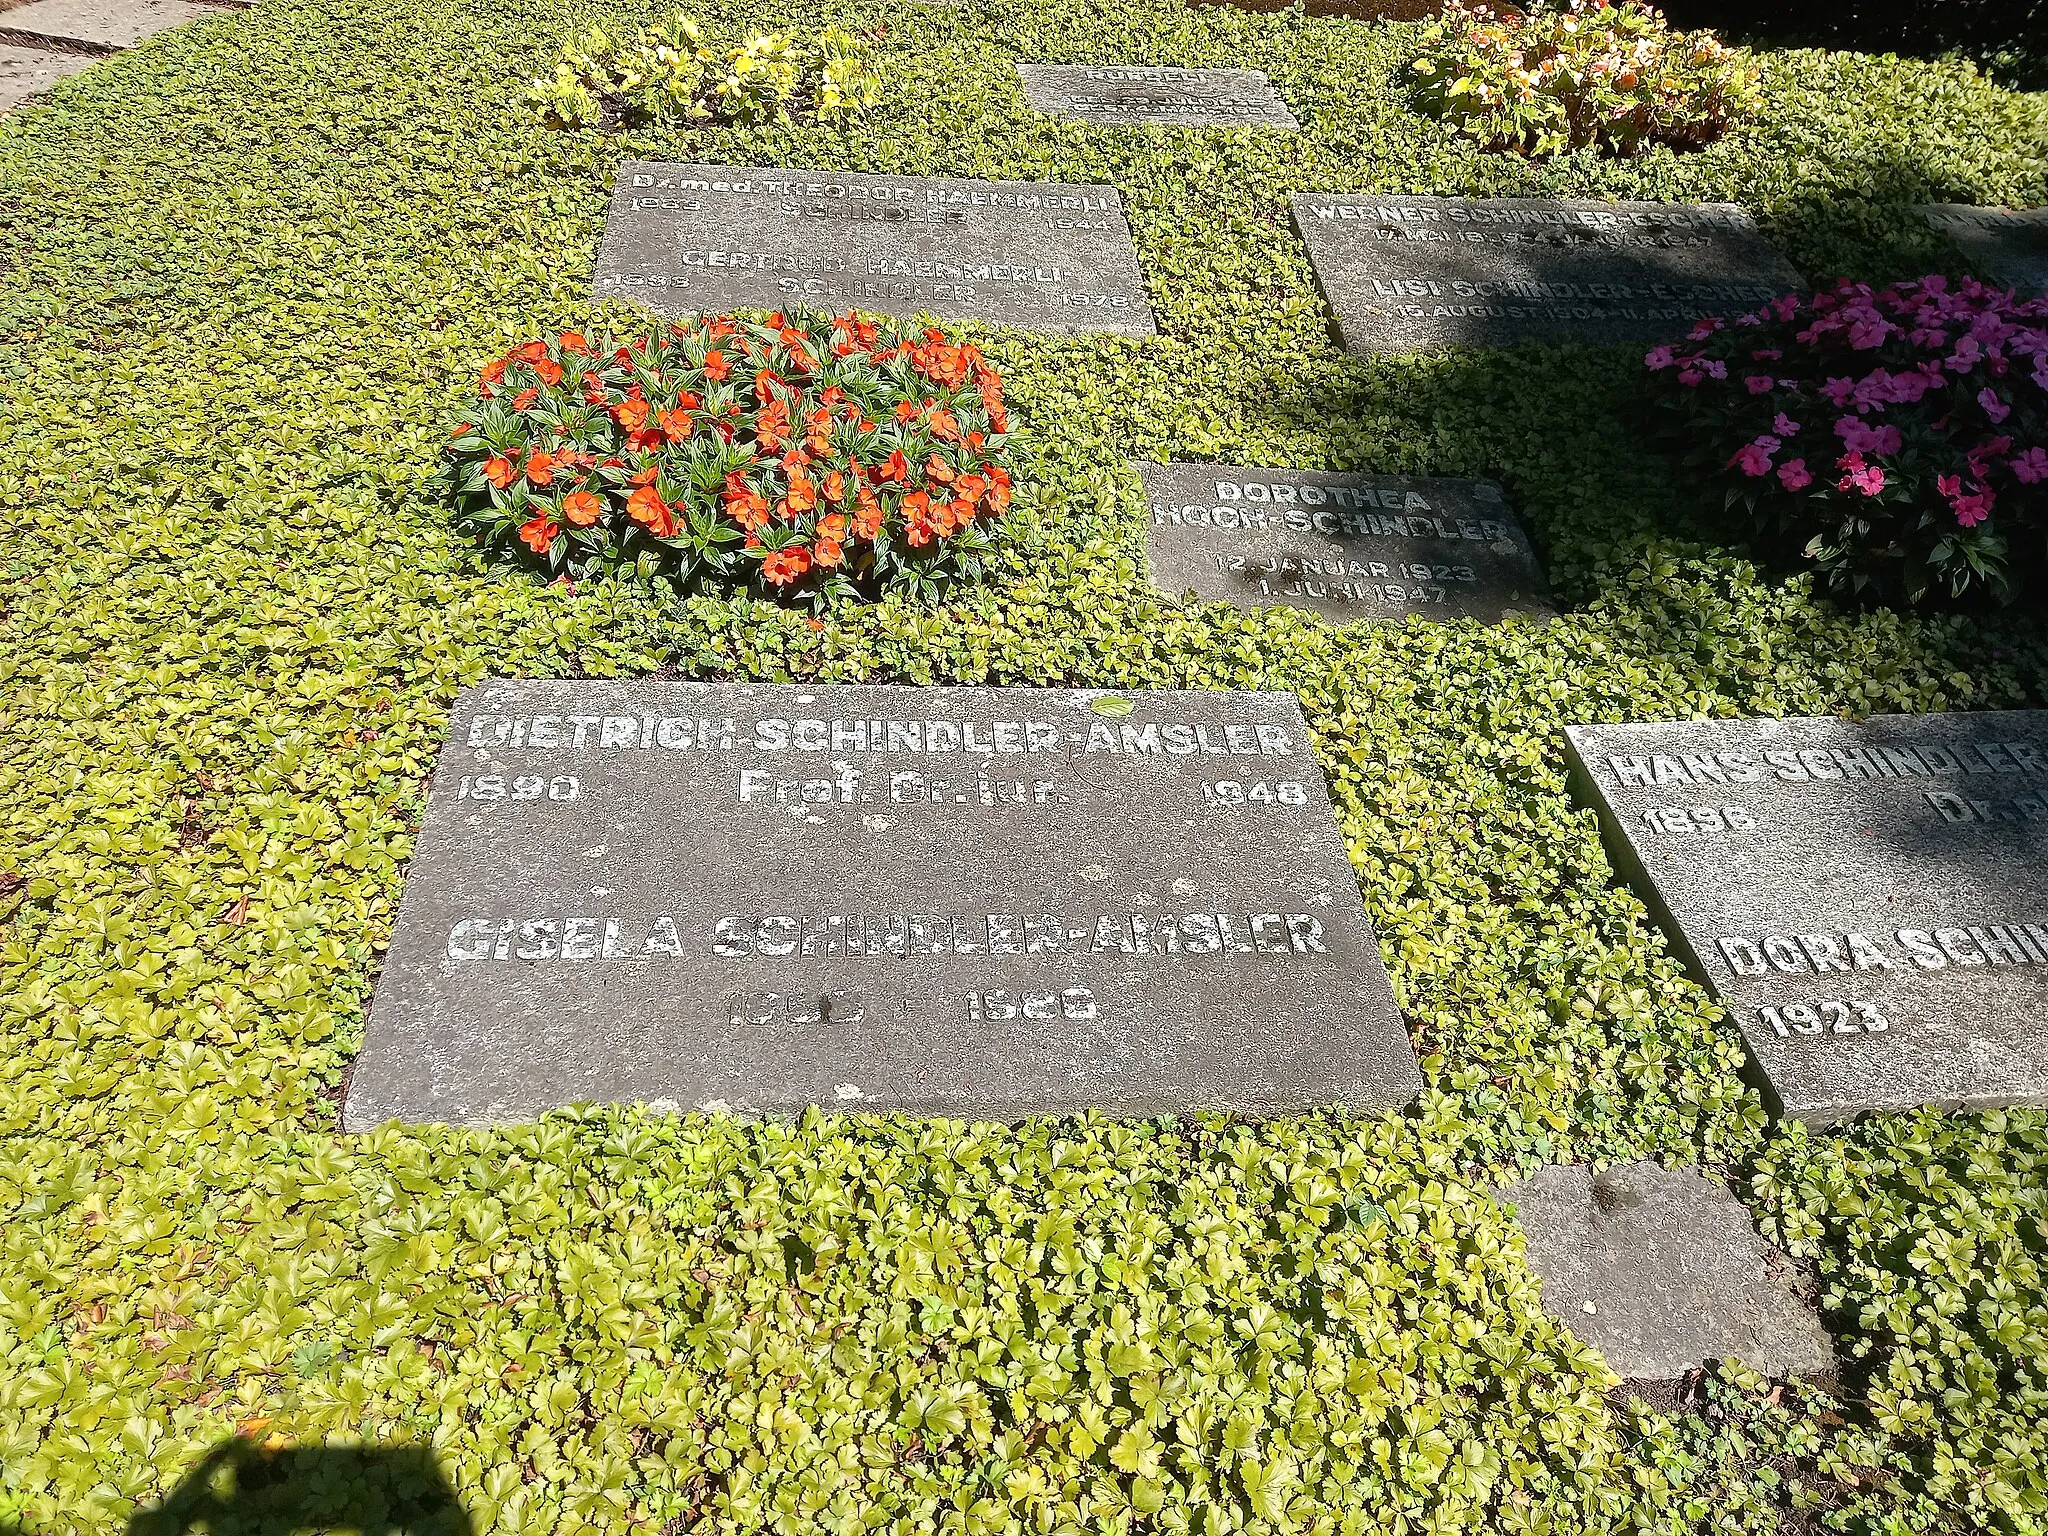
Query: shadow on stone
{"type": "Point", "coordinates": [241, 1489]}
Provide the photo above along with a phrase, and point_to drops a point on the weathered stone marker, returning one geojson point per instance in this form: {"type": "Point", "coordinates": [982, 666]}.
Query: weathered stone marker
{"type": "Point", "coordinates": [1136, 94]}
{"type": "Point", "coordinates": [964, 901]}
{"type": "Point", "coordinates": [1868, 899]}
{"type": "Point", "coordinates": [708, 238]}
{"type": "Point", "coordinates": [1345, 546]}
{"type": "Point", "coordinates": [2011, 248]}
{"type": "Point", "coordinates": [1403, 274]}
{"type": "Point", "coordinates": [1661, 1269]}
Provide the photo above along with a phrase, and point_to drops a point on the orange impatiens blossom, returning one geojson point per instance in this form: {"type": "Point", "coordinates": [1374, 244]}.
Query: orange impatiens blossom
{"type": "Point", "coordinates": [548, 372]}
{"type": "Point", "coordinates": [523, 401]}
{"type": "Point", "coordinates": [936, 468]}
{"type": "Point", "coordinates": [715, 368]}
{"type": "Point", "coordinates": [500, 472]}
{"type": "Point", "coordinates": [538, 534]}
{"type": "Point", "coordinates": [676, 426]}
{"type": "Point", "coordinates": [630, 413]}
{"type": "Point", "coordinates": [493, 371]}
{"type": "Point", "coordinates": [829, 553]}
{"type": "Point", "coordinates": [832, 525]}
{"type": "Point", "coordinates": [540, 468]}
{"type": "Point", "coordinates": [533, 351]}
{"type": "Point", "coordinates": [945, 426]}
{"type": "Point", "coordinates": [572, 341]}
{"type": "Point", "coordinates": [647, 509]}
{"type": "Point", "coordinates": [785, 565]}
{"type": "Point", "coordinates": [581, 508]}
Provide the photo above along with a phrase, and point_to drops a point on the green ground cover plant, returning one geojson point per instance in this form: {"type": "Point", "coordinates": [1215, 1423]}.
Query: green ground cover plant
{"type": "Point", "coordinates": [251, 271]}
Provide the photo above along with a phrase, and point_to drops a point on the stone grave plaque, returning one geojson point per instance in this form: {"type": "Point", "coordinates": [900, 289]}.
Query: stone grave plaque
{"type": "Point", "coordinates": [704, 239]}
{"type": "Point", "coordinates": [1342, 545]}
{"type": "Point", "coordinates": [1404, 274]}
{"type": "Point", "coordinates": [1133, 94]}
{"type": "Point", "coordinates": [1868, 900]}
{"type": "Point", "coordinates": [959, 901]}
{"type": "Point", "coordinates": [2010, 248]}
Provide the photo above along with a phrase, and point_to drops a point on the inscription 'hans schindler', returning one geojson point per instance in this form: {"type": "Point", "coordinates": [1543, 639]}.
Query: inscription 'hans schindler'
{"type": "Point", "coordinates": [957, 901]}
{"type": "Point", "coordinates": [1867, 899]}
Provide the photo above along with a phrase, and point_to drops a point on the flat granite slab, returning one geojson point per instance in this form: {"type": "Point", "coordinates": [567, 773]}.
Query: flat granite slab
{"type": "Point", "coordinates": [1661, 1270]}
{"type": "Point", "coordinates": [703, 239]}
{"type": "Point", "coordinates": [97, 26]}
{"type": "Point", "coordinates": [2009, 246]}
{"type": "Point", "coordinates": [957, 901]}
{"type": "Point", "coordinates": [26, 72]}
{"type": "Point", "coordinates": [1405, 274]}
{"type": "Point", "coordinates": [1131, 95]}
{"type": "Point", "coordinates": [1345, 546]}
{"type": "Point", "coordinates": [1868, 900]}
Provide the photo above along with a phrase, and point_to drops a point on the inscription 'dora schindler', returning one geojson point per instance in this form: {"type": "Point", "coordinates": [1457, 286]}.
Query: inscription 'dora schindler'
{"type": "Point", "coordinates": [958, 901]}
{"type": "Point", "coordinates": [1867, 899]}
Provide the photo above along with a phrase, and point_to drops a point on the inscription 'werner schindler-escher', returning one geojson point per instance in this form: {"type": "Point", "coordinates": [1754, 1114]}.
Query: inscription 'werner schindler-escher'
{"type": "Point", "coordinates": [1867, 898]}
{"type": "Point", "coordinates": [947, 900]}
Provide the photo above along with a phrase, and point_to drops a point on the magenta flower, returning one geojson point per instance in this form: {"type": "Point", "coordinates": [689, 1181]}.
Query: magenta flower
{"type": "Point", "coordinates": [1793, 475]}
{"type": "Point", "coordinates": [1859, 476]}
{"type": "Point", "coordinates": [1767, 354]}
{"type": "Point", "coordinates": [2031, 467]}
{"type": "Point", "coordinates": [1658, 358]}
{"type": "Point", "coordinates": [1785, 426]}
{"type": "Point", "coordinates": [1859, 437]}
{"type": "Point", "coordinates": [1704, 328]}
{"type": "Point", "coordinates": [1994, 407]}
{"type": "Point", "coordinates": [1972, 510]}
{"type": "Point", "coordinates": [1754, 459]}
{"type": "Point", "coordinates": [1839, 390]}
{"type": "Point", "coordinates": [1763, 384]}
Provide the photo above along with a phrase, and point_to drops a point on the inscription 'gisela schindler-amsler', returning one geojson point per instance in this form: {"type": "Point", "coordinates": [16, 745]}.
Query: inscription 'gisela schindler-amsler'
{"type": "Point", "coordinates": [966, 901]}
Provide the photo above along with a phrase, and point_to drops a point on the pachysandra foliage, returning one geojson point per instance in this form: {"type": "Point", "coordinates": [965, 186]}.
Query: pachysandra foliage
{"type": "Point", "coordinates": [1608, 75]}
{"type": "Point", "coordinates": [248, 277]}
{"type": "Point", "coordinates": [673, 73]}
{"type": "Point", "coordinates": [1896, 438]}
{"type": "Point", "coordinates": [805, 455]}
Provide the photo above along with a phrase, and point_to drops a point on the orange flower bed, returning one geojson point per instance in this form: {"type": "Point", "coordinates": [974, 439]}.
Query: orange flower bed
{"type": "Point", "coordinates": [805, 456]}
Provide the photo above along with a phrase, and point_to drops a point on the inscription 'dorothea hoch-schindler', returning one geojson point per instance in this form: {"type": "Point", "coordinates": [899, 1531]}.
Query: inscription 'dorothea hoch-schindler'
{"type": "Point", "coordinates": [1403, 274]}
{"type": "Point", "coordinates": [702, 239]}
{"type": "Point", "coordinates": [962, 901]}
{"type": "Point", "coordinates": [1134, 95]}
{"type": "Point", "coordinates": [1867, 899]}
{"type": "Point", "coordinates": [1343, 545]}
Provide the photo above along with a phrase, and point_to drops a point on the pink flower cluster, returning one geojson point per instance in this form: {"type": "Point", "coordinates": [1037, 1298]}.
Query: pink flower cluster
{"type": "Point", "coordinates": [1923, 386]}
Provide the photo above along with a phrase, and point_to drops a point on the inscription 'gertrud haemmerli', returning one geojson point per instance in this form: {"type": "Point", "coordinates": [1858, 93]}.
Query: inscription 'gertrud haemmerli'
{"type": "Point", "coordinates": [1342, 545]}
{"type": "Point", "coordinates": [1867, 899]}
{"type": "Point", "coordinates": [960, 901]}
{"type": "Point", "coordinates": [1404, 274]}
{"type": "Point", "coordinates": [703, 239]}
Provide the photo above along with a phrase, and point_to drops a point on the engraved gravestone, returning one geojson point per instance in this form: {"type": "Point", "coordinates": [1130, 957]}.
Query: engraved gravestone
{"type": "Point", "coordinates": [2010, 248]}
{"type": "Point", "coordinates": [1342, 545]}
{"type": "Point", "coordinates": [961, 901]}
{"type": "Point", "coordinates": [1136, 94]}
{"type": "Point", "coordinates": [1403, 274]}
{"type": "Point", "coordinates": [709, 238]}
{"type": "Point", "coordinates": [1866, 899]}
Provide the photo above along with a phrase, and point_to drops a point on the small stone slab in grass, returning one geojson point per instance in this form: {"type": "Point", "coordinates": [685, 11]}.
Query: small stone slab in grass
{"type": "Point", "coordinates": [2010, 247]}
{"type": "Point", "coordinates": [1662, 1269]}
{"type": "Point", "coordinates": [709, 238]}
{"type": "Point", "coordinates": [26, 72]}
{"type": "Point", "coordinates": [98, 26]}
{"type": "Point", "coordinates": [1132, 95]}
{"type": "Point", "coordinates": [1342, 545]}
{"type": "Point", "coordinates": [1867, 899]}
{"type": "Point", "coordinates": [1405, 274]}
{"type": "Point", "coordinates": [957, 901]}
